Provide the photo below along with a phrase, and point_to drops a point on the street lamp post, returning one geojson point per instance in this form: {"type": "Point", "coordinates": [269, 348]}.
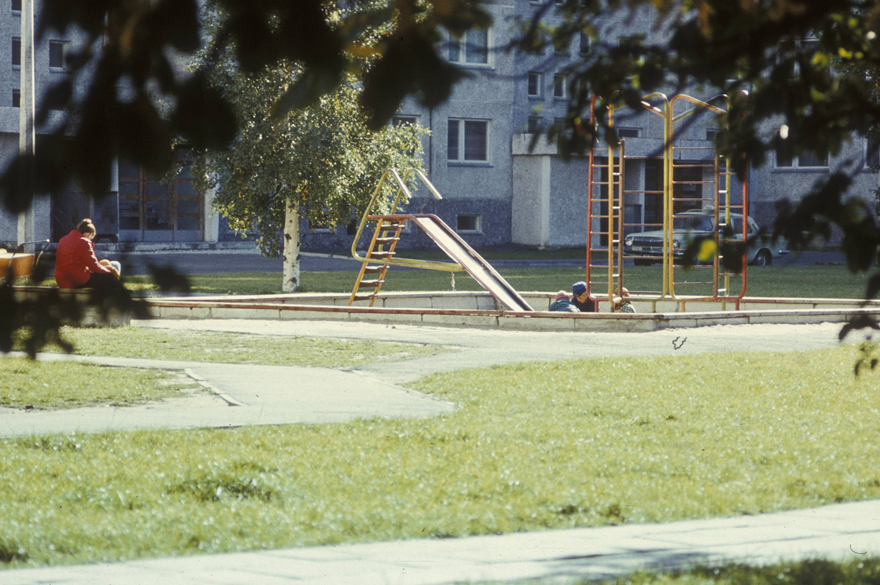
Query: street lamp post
{"type": "Point", "coordinates": [26, 137]}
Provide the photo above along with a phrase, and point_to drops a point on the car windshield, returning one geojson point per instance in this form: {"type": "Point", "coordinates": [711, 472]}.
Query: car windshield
{"type": "Point", "coordinates": [696, 223]}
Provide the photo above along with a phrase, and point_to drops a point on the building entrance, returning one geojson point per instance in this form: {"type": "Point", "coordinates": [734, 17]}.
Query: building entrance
{"type": "Point", "coordinates": [151, 210]}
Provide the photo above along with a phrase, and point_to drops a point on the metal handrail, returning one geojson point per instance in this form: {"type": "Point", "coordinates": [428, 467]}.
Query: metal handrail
{"type": "Point", "coordinates": [20, 249]}
{"type": "Point", "coordinates": [401, 191]}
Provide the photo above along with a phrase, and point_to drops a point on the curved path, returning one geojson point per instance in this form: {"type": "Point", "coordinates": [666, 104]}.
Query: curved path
{"type": "Point", "coordinates": [488, 347]}
{"type": "Point", "coordinates": [291, 394]}
{"type": "Point", "coordinates": [240, 395]}
{"type": "Point", "coordinates": [844, 531]}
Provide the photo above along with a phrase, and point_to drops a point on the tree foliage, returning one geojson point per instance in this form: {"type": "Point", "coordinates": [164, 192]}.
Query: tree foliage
{"type": "Point", "coordinates": [320, 158]}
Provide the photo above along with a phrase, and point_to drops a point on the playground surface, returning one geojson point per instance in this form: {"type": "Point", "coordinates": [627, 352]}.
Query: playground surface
{"type": "Point", "coordinates": [842, 532]}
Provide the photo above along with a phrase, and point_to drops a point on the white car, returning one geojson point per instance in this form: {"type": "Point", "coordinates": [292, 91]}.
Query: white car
{"type": "Point", "coordinates": [648, 246]}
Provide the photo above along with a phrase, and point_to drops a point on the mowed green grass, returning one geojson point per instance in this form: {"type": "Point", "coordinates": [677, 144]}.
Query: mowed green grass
{"type": "Point", "coordinates": [861, 571]}
{"type": "Point", "coordinates": [531, 447]}
{"type": "Point", "coordinates": [28, 384]}
{"type": "Point", "coordinates": [771, 281]}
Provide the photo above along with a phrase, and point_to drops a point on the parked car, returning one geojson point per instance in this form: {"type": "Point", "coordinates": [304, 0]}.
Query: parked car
{"type": "Point", "coordinates": [695, 223]}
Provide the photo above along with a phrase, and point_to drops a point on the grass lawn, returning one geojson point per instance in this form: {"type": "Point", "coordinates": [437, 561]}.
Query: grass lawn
{"type": "Point", "coordinates": [55, 385]}
{"type": "Point", "coordinates": [820, 281]}
{"type": "Point", "coordinates": [813, 572]}
{"type": "Point", "coordinates": [231, 348]}
{"type": "Point", "coordinates": [532, 446]}
{"type": "Point", "coordinates": [772, 281]}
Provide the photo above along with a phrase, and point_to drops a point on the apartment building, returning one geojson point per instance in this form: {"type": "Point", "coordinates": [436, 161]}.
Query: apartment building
{"type": "Point", "coordinates": [138, 206]}
{"type": "Point", "coordinates": [497, 188]}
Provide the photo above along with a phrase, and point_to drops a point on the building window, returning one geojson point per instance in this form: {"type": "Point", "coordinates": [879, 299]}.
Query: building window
{"type": "Point", "coordinates": [586, 43]}
{"type": "Point", "coordinates": [534, 125]}
{"type": "Point", "coordinates": [16, 98]}
{"type": "Point", "coordinates": [813, 159]}
{"type": "Point", "coordinates": [872, 152]}
{"type": "Point", "coordinates": [559, 90]}
{"type": "Point", "coordinates": [628, 132]}
{"type": "Point", "coordinates": [471, 49]}
{"type": "Point", "coordinates": [785, 159]}
{"type": "Point", "coordinates": [711, 134]}
{"type": "Point", "coordinates": [469, 224]}
{"type": "Point", "coordinates": [398, 121]}
{"type": "Point", "coordinates": [16, 52]}
{"type": "Point", "coordinates": [468, 141]}
{"type": "Point", "coordinates": [534, 84]}
{"type": "Point", "coordinates": [16, 5]}
{"type": "Point", "coordinates": [58, 55]}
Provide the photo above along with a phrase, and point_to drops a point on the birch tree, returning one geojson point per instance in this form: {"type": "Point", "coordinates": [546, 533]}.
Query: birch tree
{"type": "Point", "coordinates": [320, 163]}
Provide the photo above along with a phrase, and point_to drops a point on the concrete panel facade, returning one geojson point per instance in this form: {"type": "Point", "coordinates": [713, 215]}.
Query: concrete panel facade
{"type": "Point", "coordinates": [504, 191]}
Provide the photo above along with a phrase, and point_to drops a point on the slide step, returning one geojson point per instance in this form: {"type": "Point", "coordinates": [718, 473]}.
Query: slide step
{"type": "Point", "coordinates": [374, 282]}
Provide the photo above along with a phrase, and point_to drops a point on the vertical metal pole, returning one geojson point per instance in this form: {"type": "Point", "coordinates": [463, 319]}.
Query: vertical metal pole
{"type": "Point", "coordinates": [26, 137]}
{"type": "Point", "coordinates": [620, 231]}
{"type": "Point", "coordinates": [668, 270]}
{"type": "Point", "coordinates": [613, 183]}
{"type": "Point", "coordinates": [716, 187]}
{"type": "Point", "coordinates": [590, 179]}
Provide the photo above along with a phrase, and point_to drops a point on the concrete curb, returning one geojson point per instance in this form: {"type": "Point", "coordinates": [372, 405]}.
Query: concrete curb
{"type": "Point", "coordinates": [208, 386]}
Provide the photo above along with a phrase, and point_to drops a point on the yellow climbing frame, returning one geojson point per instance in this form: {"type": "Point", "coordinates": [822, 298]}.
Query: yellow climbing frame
{"type": "Point", "coordinates": [607, 225]}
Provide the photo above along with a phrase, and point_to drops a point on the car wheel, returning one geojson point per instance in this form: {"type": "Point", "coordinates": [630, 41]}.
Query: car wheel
{"type": "Point", "coordinates": [762, 258]}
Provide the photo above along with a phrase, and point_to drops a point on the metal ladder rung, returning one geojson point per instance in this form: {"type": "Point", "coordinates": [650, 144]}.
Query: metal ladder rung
{"type": "Point", "coordinates": [691, 283]}
{"type": "Point", "coordinates": [374, 282]}
{"type": "Point", "coordinates": [364, 297]}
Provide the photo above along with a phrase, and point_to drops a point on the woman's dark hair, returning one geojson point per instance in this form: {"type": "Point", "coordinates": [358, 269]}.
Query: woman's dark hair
{"type": "Point", "coordinates": [86, 227]}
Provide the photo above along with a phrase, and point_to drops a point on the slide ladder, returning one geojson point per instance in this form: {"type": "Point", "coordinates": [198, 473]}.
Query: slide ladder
{"type": "Point", "coordinates": [451, 243]}
{"type": "Point", "coordinates": [381, 248]}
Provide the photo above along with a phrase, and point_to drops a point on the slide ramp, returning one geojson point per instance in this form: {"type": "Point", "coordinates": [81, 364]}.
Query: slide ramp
{"type": "Point", "coordinates": [475, 265]}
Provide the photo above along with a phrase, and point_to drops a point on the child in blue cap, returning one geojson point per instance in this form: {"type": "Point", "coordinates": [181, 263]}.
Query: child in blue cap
{"type": "Point", "coordinates": [581, 299]}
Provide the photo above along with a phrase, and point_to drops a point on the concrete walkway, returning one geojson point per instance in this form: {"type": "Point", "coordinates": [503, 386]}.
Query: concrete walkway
{"type": "Point", "coordinates": [845, 531]}
{"type": "Point", "coordinates": [839, 532]}
{"type": "Point", "coordinates": [282, 395]}
{"type": "Point", "coordinates": [489, 347]}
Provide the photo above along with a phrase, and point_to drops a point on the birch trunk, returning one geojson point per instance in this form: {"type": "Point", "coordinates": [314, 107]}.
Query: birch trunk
{"type": "Point", "coordinates": [290, 273]}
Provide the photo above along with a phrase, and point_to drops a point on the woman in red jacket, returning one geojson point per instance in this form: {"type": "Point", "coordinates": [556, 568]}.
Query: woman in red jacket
{"type": "Point", "coordinates": [76, 265]}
